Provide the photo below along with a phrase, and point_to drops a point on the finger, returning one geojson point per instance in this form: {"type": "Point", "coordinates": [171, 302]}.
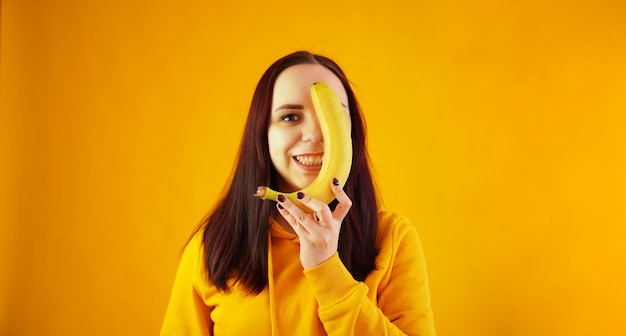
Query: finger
{"type": "Point", "coordinates": [344, 202]}
{"type": "Point", "coordinates": [301, 217]}
{"type": "Point", "coordinates": [293, 222]}
{"type": "Point", "coordinates": [321, 212]}
{"type": "Point", "coordinates": [294, 210]}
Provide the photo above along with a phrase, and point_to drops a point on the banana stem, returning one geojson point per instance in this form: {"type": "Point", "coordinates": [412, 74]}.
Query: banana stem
{"type": "Point", "coordinates": [265, 193]}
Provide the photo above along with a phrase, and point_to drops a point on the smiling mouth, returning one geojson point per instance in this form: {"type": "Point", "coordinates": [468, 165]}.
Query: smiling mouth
{"type": "Point", "coordinates": [309, 160]}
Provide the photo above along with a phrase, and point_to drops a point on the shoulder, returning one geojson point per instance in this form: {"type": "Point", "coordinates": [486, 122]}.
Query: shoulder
{"type": "Point", "coordinates": [396, 236]}
{"type": "Point", "coordinates": [195, 243]}
{"type": "Point", "coordinates": [393, 224]}
{"type": "Point", "coordinates": [192, 258]}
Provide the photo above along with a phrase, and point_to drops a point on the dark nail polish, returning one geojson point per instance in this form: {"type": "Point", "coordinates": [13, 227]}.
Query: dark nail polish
{"type": "Point", "coordinates": [281, 198]}
{"type": "Point", "coordinates": [300, 195]}
{"type": "Point", "coordinates": [279, 206]}
{"type": "Point", "coordinates": [335, 181]}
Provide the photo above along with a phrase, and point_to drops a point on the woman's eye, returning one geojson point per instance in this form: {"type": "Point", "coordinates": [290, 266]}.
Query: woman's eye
{"type": "Point", "coordinates": [290, 117]}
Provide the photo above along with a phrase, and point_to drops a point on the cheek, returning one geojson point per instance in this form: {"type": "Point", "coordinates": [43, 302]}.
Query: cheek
{"type": "Point", "coordinates": [272, 145]}
{"type": "Point", "coordinates": [277, 141]}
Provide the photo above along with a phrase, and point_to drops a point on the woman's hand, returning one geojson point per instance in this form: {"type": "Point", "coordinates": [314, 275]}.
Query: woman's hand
{"type": "Point", "coordinates": [318, 231]}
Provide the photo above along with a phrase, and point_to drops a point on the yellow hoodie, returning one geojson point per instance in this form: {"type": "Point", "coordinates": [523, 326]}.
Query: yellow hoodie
{"type": "Point", "coordinates": [325, 300]}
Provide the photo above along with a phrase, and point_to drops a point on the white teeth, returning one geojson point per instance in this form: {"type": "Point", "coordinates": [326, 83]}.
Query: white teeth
{"type": "Point", "coordinates": [309, 160]}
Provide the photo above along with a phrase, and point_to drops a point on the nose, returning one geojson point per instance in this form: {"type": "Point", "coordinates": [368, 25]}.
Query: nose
{"type": "Point", "coordinates": [311, 130]}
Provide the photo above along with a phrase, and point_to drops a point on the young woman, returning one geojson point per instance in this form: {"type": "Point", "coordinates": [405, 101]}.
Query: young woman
{"type": "Point", "coordinates": [258, 267]}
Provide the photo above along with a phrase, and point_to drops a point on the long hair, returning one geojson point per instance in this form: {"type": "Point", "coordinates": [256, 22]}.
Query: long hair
{"type": "Point", "coordinates": [235, 236]}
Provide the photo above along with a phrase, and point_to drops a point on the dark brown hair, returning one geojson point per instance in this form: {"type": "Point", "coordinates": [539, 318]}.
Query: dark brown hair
{"type": "Point", "coordinates": [236, 232]}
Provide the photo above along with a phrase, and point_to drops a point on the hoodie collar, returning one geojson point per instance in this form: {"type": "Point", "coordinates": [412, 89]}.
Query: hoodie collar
{"type": "Point", "coordinates": [280, 235]}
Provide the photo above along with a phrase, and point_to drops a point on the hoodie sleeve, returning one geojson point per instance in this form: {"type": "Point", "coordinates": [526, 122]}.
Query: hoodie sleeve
{"type": "Point", "coordinates": [401, 305]}
{"type": "Point", "coordinates": [186, 313]}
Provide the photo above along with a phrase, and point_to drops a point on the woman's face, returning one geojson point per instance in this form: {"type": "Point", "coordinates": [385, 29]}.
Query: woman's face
{"type": "Point", "coordinates": [295, 139]}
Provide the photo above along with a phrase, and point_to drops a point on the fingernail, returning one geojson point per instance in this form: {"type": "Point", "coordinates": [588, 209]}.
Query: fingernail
{"type": "Point", "coordinates": [335, 181]}
{"type": "Point", "coordinates": [300, 195]}
{"type": "Point", "coordinates": [279, 206]}
{"type": "Point", "coordinates": [281, 198]}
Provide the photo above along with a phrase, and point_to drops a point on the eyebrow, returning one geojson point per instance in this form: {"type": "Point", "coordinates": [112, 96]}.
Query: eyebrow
{"type": "Point", "coordinates": [296, 107]}
{"type": "Point", "coordinates": [289, 107]}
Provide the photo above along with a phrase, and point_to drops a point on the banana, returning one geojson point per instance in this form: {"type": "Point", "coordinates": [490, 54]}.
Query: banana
{"type": "Point", "coordinates": [337, 160]}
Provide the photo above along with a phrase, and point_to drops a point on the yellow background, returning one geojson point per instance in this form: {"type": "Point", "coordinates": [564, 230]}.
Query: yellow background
{"type": "Point", "coordinates": [498, 127]}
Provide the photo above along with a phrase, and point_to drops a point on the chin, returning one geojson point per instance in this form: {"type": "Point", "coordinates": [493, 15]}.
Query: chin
{"type": "Point", "coordinates": [301, 185]}
{"type": "Point", "coordinates": [295, 185]}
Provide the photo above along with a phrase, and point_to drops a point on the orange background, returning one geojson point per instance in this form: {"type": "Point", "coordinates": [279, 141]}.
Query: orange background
{"type": "Point", "coordinates": [499, 128]}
